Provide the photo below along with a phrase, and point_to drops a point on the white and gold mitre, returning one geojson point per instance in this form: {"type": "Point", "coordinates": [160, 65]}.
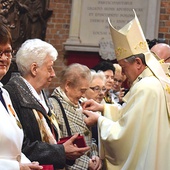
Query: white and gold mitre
{"type": "Point", "coordinates": [130, 40]}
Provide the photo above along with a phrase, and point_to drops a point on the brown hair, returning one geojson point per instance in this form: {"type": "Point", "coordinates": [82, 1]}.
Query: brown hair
{"type": "Point", "coordinates": [74, 73]}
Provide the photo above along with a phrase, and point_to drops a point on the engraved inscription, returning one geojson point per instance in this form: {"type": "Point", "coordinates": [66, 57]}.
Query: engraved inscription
{"type": "Point", "coordinates": [94, 25]}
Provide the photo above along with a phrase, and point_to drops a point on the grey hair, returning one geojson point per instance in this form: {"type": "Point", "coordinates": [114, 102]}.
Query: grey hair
{"type": "Point", "coordinates": [34, 51]}
{"type": "Point", "coordinates": [132, 58]}
{"type": "Point", "coordinates": [99, 74]}
{"type": "Point", "coordinates": [74, 73]}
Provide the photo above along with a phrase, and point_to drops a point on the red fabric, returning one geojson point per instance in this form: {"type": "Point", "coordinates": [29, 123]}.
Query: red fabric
{"type": "Point", "coordinates": [79, 141]}
{"type": "Point", "coordinates": [47, 167]}
{"type": "Point", "coordinates": [90, 59]}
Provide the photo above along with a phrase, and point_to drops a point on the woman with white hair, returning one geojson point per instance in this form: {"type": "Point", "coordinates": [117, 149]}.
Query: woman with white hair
{"type": "Point", "coordinates": [97, 88]}
{"type": "Point", "coordinates": [35, 60]}
{"type": "Point", "coordinates": [96, 91]}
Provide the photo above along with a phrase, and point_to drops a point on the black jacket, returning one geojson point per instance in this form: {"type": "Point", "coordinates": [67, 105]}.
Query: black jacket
{"type": "Point", "coordinates": [33, 147]}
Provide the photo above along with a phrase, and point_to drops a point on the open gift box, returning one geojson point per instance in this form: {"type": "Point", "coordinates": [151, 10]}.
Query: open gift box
{"type": "Point", "coordinates": [79, 141]}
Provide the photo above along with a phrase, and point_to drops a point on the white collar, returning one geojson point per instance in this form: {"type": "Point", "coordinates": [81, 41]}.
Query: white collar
{"type": "Point", "coordinates": [39, 97]}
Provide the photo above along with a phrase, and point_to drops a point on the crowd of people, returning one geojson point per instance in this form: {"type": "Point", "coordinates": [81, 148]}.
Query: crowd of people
{"type": "Point", "coordinates": [120, 128]}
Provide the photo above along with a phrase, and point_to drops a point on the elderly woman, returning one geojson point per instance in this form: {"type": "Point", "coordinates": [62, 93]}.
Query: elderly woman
{"type": "Point", "coordinates": [35, 60]}
{"type": "Point", "coordinates": [96, 91]}
{"type": "Point", "coordinates": [97, 87]}
{"type": "Point", "coordinates": [109, 70]}
{"type": "Point", "coordinates": [118, 91]}
{"type": "Point", "coordinates": [75, 81]}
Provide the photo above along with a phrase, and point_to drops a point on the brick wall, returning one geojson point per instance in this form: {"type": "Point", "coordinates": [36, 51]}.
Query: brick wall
{"type": "Point", "coordinates": [58, 30]}
{"type": "Point", "coordinates": [57, 33]}
{"type": "Point", "coordinates": [164, 23]}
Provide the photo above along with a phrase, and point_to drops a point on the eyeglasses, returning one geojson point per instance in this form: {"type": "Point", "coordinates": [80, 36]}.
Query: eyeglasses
{"type": "Point", "coordinates": [97, 89]}
{"type": "Point", "coordinates": [7, 53]}
{"type": "Point", "coordinates": [116, 80]}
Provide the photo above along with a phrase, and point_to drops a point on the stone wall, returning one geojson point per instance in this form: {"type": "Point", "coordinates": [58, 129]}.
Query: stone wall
{"type": "Point", "coordinates": [58, 30]}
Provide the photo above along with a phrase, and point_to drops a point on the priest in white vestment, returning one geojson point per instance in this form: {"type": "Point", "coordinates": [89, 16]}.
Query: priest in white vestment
{"type": "Point", "coordinates": [137, 136]}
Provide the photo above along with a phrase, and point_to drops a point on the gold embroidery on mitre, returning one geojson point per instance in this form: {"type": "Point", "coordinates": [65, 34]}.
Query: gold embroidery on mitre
{"type": "Point", "coordinates": [119, 51]}
{"type": "Point", "coordinates": [141, 45]}
{"type": "Point", "coordinates": [167, 88]}
{"type": "Point", "coordinates": [161, 61]}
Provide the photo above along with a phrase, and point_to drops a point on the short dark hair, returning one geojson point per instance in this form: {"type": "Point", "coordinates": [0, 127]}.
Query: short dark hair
{"type": "Point", "coordinates": [131, 59]}
{"type": "Point", "coordinates": [5, 35]}
{"type": "Point", "coordinates": [104, 66]}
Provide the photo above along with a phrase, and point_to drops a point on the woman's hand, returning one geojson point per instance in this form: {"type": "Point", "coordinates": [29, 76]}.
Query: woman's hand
{"type": "Point", "coordinates": [72, 151]}
{"type": "Point", "coordinates": [30, 166]}
{"type": "Point", "coordinates": [95, 163]}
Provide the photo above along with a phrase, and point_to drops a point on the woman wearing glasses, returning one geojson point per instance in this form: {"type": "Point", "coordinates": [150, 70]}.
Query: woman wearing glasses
{"type": "Point", "coordinates": [11, 133]}
{"type": "Point", "coordinates": [97, 88]}
{"type": "Point", "coordinates": [96, 91]}
{"type": "Point", "coordinates": [118, 91]}
{"type": "Point", "coordinates": [109, 70]}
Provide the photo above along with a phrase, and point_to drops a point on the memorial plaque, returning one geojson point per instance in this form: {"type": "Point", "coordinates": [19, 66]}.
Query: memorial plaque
{"type": "Point", "coordinates": [94, 21]}
{"type": "Point", "coordinates": [92, 24]}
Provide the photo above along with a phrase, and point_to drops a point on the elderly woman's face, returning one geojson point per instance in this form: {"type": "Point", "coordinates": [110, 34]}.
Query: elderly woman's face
{"type": "Point", "coordinates": [5, 58]}
{"type": "Point", "coordinates": [117, 81]}
{"type": "Point", "coordinates": [74, 93]}
{"type": "Point", "coordinates": [96, 90]}
{"type": "Point", "coordinates": [45, 74]}
{"type": "Point", "coordinates": [109, 79]}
